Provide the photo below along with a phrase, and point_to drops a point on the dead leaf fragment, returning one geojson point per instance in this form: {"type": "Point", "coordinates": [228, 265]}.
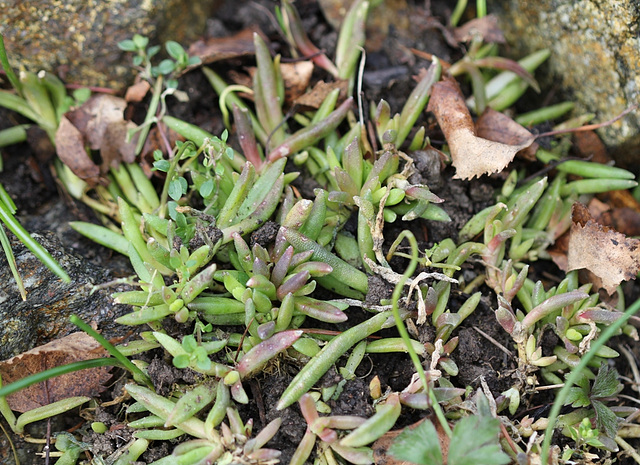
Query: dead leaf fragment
{"type": "Point", "coordinates": [94, 116]}
{"type": "Point", "coordinates": [471, 155]}
{"type": "Point", "coordinates": [223, 48]}
{"type": "Point", "coordinates": [296, 77]}
{"type": "Point", "coordinates": [100, 121]}
{"type": "Point", "coordinates": [314, 98]}
{"type": "Point", "coordinates": [72, 348]}
{"type": "Point", "coordinates": [70, 148]}
{"type": "Point", "coordinates": [136, 92]}
{"type": "Point", "coordinates": [485, 27]}
{"type": "Point", "coordinates": [498, 127]}
{"type": "Point", "coordinates": [610, 255]}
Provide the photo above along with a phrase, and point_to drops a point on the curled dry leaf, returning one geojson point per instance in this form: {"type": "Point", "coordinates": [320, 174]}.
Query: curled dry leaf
{"type": "Point", "coordinates": [498, 127]}
{"type": "Point", "coordinates": [222, 48]}
{"type": "Point", "coordinates": [100, 124]}
{"type": "Point", "coordinates": [610, 255]}
{"type": "Point", "coordinates": [471, 155]}
{"type": "Point", "coordinates": [72, 348]}
{"type": "Point", "coordinates": [70, 148]}
{"type": "Point", "coordinates": [296, 77]}
{"type": "Point", "coordinates": [94, 116]}
{"type": "Point", "coordinates": [136, 92]}
{"type": "Point", "coordinates": [485, 27]}
{"type": "Point", "coordinates": [589, 145]}
{"type": "Point", "coordinates": [314, 98]}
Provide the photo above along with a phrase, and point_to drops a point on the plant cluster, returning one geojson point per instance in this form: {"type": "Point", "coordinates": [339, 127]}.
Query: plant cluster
{"type": "Point", "coordinates": [234, 254]}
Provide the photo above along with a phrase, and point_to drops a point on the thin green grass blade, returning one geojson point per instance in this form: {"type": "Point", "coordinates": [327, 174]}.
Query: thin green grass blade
{"type": "Point", "coordinates": [4, 60]}
{"type": "Point", "coordinates": [11, 259]}
{"type": "Point", "coordinates": [124, 361]}
{"type": "Point", "coordinates": [40, 252]}
{"type": "Point", "coordinates": [57, 371]}
{"type": "Point", "coordinates": [575, 374]}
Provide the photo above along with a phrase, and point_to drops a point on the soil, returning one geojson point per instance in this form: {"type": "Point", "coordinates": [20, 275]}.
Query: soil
{"type": "Point", "coordinates": [388, 75]}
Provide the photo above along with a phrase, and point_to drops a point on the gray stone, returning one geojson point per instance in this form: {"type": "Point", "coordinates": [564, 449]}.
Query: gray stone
{"type": "Point", "coordinates": [77, 39]}
{"type": "Point", "coordinates": [595, 58]}
{"type": "Point", "coordinates": [44, 316]}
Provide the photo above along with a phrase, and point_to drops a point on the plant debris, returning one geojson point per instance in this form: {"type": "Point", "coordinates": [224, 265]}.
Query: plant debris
{"type": "Point", "coordinates": [471, 155]}
{"type": "Point", "coordinates": [610, 255]}
{"type": "Point", "coordinates": [72, 348]}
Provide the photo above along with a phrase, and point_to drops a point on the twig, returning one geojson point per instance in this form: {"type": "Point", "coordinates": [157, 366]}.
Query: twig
{"type": "Point", "coordinates": [493, 341]}
{"type": "Point", "coordinates": [634, 367]}
{"type": "Point", "coordinates": [589, 127]}
{"type": "Point", "coordinates": [550, 386]}
{"type": "Point", "coordinates": [628, 448]}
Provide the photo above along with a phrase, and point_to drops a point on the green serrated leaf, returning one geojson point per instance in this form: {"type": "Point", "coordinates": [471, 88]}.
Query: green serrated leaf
{"type": "Point", "coordinates": [606, 382]}
{"type": "Point", "coordinates": [606, 420]}
{"type": "Point", "coordinates": [476, 443]}
{"type": "Point", "coordinates": [419, 445]}
{"type": "Point", "coordinates": [577, 397]}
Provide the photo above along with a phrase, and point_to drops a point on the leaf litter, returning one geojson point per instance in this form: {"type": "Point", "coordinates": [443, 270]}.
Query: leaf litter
{"type": "Point", "coordinates": [610, 255]}
{"type": "Point", "coordinates": [72, 348]}
{"type": "Point", "coordinates": [98, 123]}
{"type": "Point", "coordinates": [472, 155]}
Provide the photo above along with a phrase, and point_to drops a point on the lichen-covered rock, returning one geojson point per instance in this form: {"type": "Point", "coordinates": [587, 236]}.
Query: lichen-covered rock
{"type": "Point", "coordinates": [595, 57]}
{"type": "Point", "coordinates": [44, 316]}
{"type": "Point", "coordinates": [77, 39]}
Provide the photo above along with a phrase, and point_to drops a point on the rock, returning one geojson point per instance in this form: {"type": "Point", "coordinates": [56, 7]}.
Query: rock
{"type": "Point", "coordinates": [45, 314]}
{"type": "Point", "coordinates": [77, 39]}
{"type": "Point", "coordinates": [595, 58]}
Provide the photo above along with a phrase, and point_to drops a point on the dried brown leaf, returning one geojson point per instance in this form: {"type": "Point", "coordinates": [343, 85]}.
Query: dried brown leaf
{"type": "Point", "coordinates": [101, 122]}
{"type": "Point", "coordinates": [624, 220]}
{"type": "Point", "coordinates": [485, 27]}
{"type": "Point", "coordinates": [610, 255]}
{"type": "Point", "coordinates": [72, 348]}
{"type": "Point", "coordinates": [314, 98]}
{"type": "Point", "coordinates": [296, 77]}
{"type": "Point", "coordinates": [136, 92]}
{"type": "Point", "coordinates": [498, 127]}
{"type": "Point", "coordinates": [114, 147]}
{"type": "Point", "coordinates": [471, 155]}
{"type": "Point", "coordinates": [96, 115]}
{"type": "Point", "coordinates": [71, 150]}
{"type": "Point", "coordinates": [589, 145]}
{"type": "Point", "coordinates": [223, 48]}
